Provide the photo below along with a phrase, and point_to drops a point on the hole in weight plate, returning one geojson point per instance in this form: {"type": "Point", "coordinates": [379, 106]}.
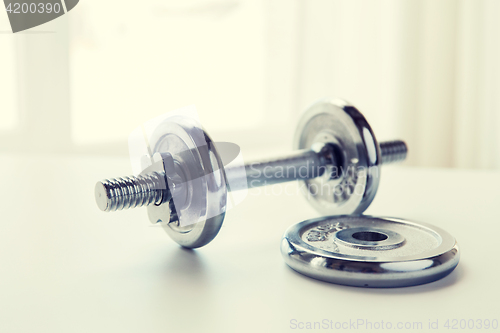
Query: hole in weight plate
{"type": "Point", "coordinates": [369, 236]}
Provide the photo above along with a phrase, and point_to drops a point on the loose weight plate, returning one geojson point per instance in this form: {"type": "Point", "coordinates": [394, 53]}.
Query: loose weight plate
{"type": "Point", "coordinates": [368, 251]}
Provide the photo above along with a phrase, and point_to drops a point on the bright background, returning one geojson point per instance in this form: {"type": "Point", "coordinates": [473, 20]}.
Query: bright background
{"type": "Point", "coordinates": [422, 70]}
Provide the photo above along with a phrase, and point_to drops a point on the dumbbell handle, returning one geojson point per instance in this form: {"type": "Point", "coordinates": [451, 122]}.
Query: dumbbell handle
{"type": "Point", "coordinates": [143, 190]}
{"type": "Point", "coordinates": [301, 165]}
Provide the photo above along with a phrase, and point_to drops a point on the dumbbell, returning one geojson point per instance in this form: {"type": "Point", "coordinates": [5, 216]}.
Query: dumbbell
{"type": "Point", "coordinates": [337, 157]}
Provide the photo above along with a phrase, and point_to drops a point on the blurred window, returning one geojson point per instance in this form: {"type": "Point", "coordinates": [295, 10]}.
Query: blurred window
{"type": "Point", "coordinates": [132, 61]}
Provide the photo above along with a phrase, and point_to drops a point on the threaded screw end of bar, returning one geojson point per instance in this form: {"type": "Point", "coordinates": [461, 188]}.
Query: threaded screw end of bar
{"type": "Point", "coordinates": [130, 192]}
{"type": "Point", "coordinates": [393, 151]}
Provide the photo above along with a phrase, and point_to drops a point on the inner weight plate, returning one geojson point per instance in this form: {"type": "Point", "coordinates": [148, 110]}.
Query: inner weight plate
{"type": "Point", "coordinates": [198, 164]}
{"type": "Point", "coordinates": [367, 251]}
{"type": "Point", "coordinates": [350, 187]}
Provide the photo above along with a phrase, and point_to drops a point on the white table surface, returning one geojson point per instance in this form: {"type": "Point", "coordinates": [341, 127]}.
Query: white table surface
{"type": "Point", "coordinates": [65, 266]}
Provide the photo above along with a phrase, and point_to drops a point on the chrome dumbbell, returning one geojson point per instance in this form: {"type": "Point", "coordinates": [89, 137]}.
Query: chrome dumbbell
{"type": "Point", "coordinates": [337, 155]}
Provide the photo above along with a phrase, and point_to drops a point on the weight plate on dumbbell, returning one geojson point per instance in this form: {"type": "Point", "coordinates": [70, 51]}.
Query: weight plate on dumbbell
{"type": "Point", "coordinates": [350, 184]}
{"type": "Point", "coordinates": [197, 162]}
{"type": "Point", "coordinates": [367, 251]}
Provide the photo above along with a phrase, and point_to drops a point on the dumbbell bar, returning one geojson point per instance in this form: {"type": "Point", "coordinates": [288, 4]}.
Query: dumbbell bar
{"type": "Point", "coordinates": [143, 190]}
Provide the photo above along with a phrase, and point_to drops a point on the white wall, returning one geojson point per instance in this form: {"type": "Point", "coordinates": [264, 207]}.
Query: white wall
{"type": "Point", "coordinates": [422, 70]}
{"type": "Point", "coordinates": [425, 71]}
